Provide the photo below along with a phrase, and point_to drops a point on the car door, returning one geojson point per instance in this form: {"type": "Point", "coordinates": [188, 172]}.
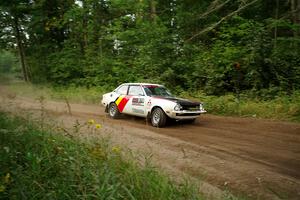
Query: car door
{"type": "Point", "coordinates": [136, 104]}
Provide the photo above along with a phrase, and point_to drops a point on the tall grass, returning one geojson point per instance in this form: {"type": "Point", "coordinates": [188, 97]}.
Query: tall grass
{"type": "Point", "coordinates": [35, 164]}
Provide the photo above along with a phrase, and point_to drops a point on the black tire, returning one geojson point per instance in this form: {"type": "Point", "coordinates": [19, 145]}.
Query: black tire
{"type": "Point", "coordinates": [113, 111]}
{"type": "Point", "coordinates": [158, 118]}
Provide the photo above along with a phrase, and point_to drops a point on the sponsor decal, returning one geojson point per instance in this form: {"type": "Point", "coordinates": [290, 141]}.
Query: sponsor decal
{"type": "Point", "coordinates": [122, 101]}
{"type": "Point", "coordinates": [138, 101]}
{"type": "Point", "coordinates": [137, 110]}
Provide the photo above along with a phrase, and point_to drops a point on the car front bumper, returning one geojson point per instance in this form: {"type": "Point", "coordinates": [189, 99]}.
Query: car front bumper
{"type": "Point", "coordinates": [185, 114]}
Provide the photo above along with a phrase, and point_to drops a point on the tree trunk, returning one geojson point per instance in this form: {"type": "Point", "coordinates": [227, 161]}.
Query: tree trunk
{"type": "Point", "coordinates": [20, 48]}
{"type": "Point", "coordinates": [298, 15]}
{"type": "Point", "coordinates": [296, 21]}
{"type": "Point", "coordinates": [153, 10]}
{"type": "Point", "coordinates": [295, 9]}
{"type": "Point", "coordinates": [84, 26]}
{"type": "Point", "coordinates": [295, 5]}
{"type": "Point", "coordinates": [276, 28]}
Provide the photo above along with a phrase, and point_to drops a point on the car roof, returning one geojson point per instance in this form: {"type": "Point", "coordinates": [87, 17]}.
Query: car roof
{"type": "Point", "coordinates": [141, 84]}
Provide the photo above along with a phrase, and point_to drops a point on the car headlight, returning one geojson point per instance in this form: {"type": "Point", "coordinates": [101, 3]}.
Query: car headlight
{"type": "Point", "coordinates": [201, 106]}
{"type": "Point", "coordinates": [178, 107]}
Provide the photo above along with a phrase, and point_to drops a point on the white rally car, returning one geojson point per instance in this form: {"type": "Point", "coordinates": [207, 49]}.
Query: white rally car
{"type": "Point", "coordinates": [152, 101]}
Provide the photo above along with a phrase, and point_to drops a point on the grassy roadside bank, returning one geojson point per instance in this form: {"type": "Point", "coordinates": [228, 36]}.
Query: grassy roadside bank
{"type": "Point", "coordinates": [37, 164]}
{"type": "Point", "coordinates": [283, 107]}
{"type": "Point", "coordinates": [73, 94]}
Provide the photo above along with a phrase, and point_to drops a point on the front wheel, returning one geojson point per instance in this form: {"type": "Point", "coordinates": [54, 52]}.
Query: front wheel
{"type": "Point", "coordinates": [158, 118]}
{"type": "Point", "coordinates": [113, 111]}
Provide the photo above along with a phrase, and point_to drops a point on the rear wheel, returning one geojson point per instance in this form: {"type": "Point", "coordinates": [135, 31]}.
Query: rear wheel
{"type": "Point", "coordinates": [113, 111]}
{"type": "Point", "coordinates": [158, 118]}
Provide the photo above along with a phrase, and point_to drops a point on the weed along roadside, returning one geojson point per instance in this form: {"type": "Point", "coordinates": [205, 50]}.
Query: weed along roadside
{"type": "Point", "coordinates": [36, 164]}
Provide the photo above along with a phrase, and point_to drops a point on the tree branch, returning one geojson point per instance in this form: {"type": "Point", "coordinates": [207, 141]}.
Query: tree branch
{"type": "Point", "coordinates": [213, 26]}
{"type": "Point", "coordinates": [213, 10]}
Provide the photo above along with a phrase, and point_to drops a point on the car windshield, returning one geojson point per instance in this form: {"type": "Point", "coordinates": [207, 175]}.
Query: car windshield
{"type": "Point", "coordinates": [155, 90]}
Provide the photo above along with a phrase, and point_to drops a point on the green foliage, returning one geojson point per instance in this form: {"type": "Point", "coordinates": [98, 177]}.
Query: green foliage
{"type": "Point", "coordinates": [70, 66]}
{"type": "Point", "coordinates": [36, 164]}
{"type": "Point", "coordinates": [105, 43]}
{"type": "Point", "coordinates": [268, 104]}
{"type": "Point", "coordinates": [8, 62]}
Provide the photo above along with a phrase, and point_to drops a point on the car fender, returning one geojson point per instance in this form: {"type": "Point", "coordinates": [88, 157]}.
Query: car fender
{"type": "Point", "coordinates": [108, 98]}
{"type": "Point", "coordinates": [166, 105]}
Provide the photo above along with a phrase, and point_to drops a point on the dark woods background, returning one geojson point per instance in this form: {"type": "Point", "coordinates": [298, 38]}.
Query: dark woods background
{"type": "Point", "coordinates": [217, 46]}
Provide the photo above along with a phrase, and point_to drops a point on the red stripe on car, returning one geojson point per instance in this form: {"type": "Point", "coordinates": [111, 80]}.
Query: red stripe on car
{"type": "Point", "coordinates": [123, 103]}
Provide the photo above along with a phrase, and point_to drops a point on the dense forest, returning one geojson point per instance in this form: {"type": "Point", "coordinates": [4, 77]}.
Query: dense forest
{"type": "Point", "coordinates": [216, 46]}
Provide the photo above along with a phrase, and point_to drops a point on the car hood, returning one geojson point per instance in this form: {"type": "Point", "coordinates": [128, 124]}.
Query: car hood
{"type": "Point", "coordinates": [183, 102]}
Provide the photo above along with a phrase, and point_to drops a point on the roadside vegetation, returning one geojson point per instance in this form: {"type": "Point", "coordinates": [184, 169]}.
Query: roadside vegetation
{"type": "Point", "coordinates": [279, 107]}
{"type": "Point", "coordinates": [71, 93]}
{"type": "Point", "coordinates": [39, 164]}
{"type": "Point", "coordinates": [262, 104]}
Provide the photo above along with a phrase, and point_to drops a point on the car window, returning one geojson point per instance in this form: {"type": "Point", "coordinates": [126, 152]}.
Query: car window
{"type": "Point", "coordinates": [157, 91]}
{"type": "Point", "coordinates": [122, 90]}
{"type": "Point", "coordinates": [135, 90]}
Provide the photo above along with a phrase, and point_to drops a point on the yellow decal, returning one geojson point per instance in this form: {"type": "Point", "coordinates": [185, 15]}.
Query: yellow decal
{"type": "Point", "coordinates": [119, 99]}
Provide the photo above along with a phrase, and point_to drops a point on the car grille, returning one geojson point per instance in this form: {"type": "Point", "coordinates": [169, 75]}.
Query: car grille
{"type": "Point", "coordinates": [191, 108]}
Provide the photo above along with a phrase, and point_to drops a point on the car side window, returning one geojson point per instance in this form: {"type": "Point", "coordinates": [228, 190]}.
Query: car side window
{"type": "Point", "coordinates": [122, 90]}
{"type": "Point", "coordinates": [135, 90]}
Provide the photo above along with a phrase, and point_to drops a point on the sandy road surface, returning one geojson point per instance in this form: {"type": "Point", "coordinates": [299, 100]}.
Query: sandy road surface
{"type": "Point", "coordinates": [257, 158]}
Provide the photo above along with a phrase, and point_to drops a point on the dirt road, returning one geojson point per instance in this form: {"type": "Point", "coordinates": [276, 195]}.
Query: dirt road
{"type": "Point", "coordinates": [256, 158]}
